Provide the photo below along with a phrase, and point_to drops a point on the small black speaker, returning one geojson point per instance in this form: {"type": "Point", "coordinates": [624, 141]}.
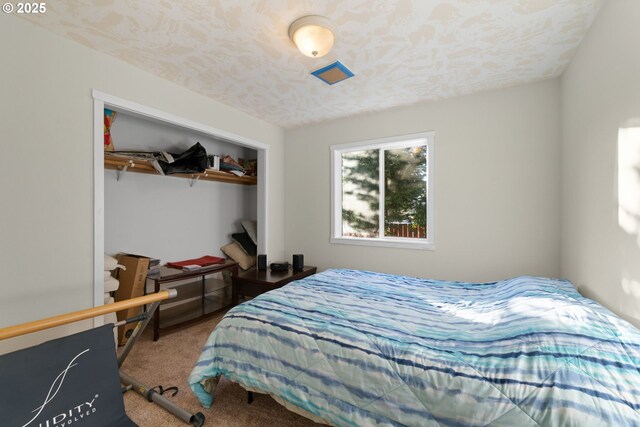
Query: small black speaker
{"type": "Point", "coordinates": [262, 262]}
{"type": "Point", "coordinates": [279, 266]}
{"type": "Point", "coordinates": [298, 262]}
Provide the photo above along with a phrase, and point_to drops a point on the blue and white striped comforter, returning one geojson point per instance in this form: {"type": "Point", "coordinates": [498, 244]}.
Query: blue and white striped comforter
{"type": "Point", "coordinates": [362, 349]}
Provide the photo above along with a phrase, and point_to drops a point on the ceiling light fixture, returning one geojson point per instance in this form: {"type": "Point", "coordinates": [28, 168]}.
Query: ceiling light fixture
{"type": "Point", "coordinates": [313, 35]}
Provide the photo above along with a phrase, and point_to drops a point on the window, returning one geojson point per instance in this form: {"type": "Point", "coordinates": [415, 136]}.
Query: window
{"type": "Point", "coordinates": [382, 192]}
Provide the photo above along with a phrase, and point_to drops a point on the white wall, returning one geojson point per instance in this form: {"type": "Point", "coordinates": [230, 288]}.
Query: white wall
{"type": "Point", "coordinates": [601, 160]}
{"type": "Point", "coordinates": [46, 170]}
{"type": "Point", "coordinates": [163, 217]}
{"type": "Point", "coordinates": [497, 186]}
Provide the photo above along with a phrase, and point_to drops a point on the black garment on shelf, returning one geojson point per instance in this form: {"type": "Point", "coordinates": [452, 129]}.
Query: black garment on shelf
{"type": "Point", "coordinates": [245, 241]}
{"type": "Point", "coordinates": [194, 160]}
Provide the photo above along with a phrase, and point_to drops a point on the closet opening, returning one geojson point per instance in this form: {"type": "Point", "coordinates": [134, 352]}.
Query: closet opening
{"type": "Point", "coordinates": [177, 216]}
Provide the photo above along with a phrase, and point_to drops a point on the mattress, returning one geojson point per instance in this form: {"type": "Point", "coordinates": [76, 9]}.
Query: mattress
{"type": "Point", "coordinates": [358, 348]}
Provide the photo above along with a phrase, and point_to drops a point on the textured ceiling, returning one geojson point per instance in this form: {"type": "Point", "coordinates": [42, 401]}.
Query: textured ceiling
{"type": "Point", "coordinates": [401, 51]}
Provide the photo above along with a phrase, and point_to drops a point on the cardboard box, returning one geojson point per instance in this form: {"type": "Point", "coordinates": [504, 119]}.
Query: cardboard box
{"type": "Point", "coordinates": [132, 281]}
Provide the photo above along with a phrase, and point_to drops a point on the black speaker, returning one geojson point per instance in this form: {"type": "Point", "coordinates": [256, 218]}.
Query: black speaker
{"type": "Point", "coordinates": [262, 262]}
{"type": "Point", "coordinates": [298, 262]}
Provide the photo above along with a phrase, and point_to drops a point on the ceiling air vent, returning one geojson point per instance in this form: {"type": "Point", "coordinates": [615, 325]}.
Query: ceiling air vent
{"type": "Point", "coordinates": [333, 73]}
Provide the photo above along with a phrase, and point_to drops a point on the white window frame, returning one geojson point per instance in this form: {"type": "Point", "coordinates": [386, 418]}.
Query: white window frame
{"type": "Point", "coordinates": [337, 150]}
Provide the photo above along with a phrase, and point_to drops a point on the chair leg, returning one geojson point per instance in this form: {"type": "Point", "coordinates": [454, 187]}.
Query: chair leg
{"type": "Point", "coordinates": [249, 397]}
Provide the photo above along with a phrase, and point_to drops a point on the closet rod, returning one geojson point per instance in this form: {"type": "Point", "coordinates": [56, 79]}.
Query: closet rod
{"type": "Point", "coordinates": [63, 319]}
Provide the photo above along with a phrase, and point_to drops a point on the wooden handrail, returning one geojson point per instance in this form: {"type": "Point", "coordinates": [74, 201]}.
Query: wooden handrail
{"type": "Point", "coordinates": [75, 316]}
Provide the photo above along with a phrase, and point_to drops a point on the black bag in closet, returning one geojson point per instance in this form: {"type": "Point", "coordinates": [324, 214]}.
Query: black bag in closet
{"type": "Point", "coordinates": [194, 160]}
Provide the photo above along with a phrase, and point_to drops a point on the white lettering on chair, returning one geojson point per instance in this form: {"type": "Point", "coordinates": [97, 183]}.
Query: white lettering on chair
{"type": "Point", "coordinates": [57, 383]}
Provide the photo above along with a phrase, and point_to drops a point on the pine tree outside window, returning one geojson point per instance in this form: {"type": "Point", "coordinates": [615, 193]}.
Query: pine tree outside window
{"type": "Point", "coordinates": [382, 192]}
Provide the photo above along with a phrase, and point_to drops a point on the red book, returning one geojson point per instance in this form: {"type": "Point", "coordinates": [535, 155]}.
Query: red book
{"type": "Point", "coordinates": [202, 262]}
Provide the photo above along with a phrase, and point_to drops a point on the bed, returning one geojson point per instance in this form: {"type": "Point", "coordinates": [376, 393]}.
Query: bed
{"type": "Point", "coordinates": [356, 348]}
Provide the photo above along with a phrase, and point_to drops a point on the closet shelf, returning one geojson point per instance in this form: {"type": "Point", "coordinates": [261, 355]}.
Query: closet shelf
{"type": "Point", "coordinates": [122, 163]}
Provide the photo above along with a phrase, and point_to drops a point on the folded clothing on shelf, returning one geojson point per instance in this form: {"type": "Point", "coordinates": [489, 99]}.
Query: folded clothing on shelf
{"type": "Point", "coordinates": [228, 164]}
{"type": "Point", "coordinates": [110, 263]}
{"type": "Point", "coordinates": [111, 284]}
{"type": "Point", "coordinates": [202, 262]}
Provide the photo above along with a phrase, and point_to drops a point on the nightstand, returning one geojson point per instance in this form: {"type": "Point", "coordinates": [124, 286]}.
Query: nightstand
{"type": "Point", "coordinates": [254, 282]}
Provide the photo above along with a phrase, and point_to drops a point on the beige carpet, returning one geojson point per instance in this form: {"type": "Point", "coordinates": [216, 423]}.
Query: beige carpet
{"type": "Point", "coordinates": [168, 362]}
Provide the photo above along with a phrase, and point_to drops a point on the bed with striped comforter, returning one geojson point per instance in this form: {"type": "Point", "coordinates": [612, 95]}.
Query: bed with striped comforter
{"type": "Point", "coordinates": [358, 348]}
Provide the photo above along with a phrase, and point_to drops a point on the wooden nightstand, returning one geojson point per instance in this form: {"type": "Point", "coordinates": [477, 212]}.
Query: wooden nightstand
{"type": "Point", "coordinates": [254, 282]}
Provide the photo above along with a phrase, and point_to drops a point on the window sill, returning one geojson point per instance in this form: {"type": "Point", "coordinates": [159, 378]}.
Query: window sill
{"type": "Point", "coordinates": [387, 243]}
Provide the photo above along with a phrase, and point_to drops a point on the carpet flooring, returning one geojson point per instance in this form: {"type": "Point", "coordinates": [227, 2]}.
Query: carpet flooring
{"type": "Point", "coordinates": [169, 361]}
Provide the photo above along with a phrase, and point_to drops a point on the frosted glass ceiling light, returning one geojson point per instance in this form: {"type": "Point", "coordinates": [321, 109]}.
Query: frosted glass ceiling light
{"type": "Point", "coordinates": [313, 35]}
